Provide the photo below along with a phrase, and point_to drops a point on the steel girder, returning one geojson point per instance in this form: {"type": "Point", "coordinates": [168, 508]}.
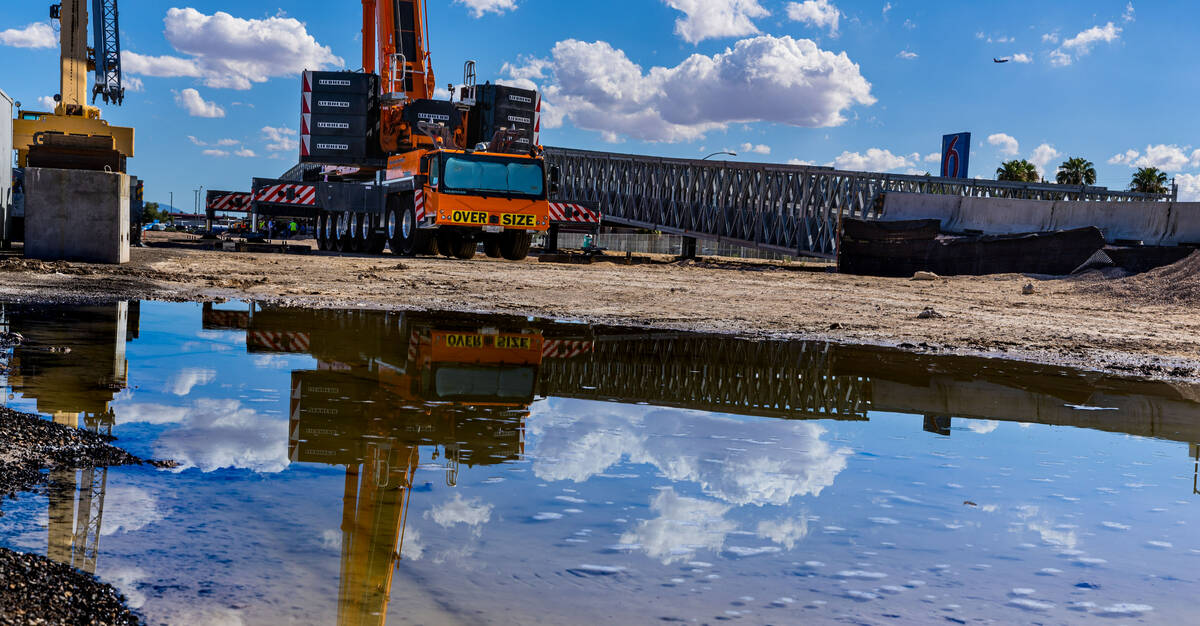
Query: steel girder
{"type": "Point", "coordinates": [782, 208]}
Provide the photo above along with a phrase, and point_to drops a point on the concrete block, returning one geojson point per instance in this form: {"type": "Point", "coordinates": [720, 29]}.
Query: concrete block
{"type": "Point", "coordinates": [1119, 221]}
{"type": "Point", "coordinates": [1003, 216]}
{"type": "Point", "coordinates": [921, 206]}
{"type": "Point", "coordinates": [76, 215]}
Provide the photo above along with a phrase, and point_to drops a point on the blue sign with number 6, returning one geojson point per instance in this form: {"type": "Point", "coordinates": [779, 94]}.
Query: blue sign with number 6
{"type": "Point", "coordinates": [956, 155]}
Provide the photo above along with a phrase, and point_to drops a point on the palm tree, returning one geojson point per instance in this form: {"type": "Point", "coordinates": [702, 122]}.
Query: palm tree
{"type": "Point", "coordinates": [1018, 170]}
{"type": "Point", "coordinates": [1149, 180]}
{"type": "Point", "coordinates": [1076, 171]}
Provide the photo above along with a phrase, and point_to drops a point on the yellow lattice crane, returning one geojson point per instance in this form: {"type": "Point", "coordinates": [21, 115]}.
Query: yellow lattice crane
{"type": "Point", "coordinates": [73, 136]}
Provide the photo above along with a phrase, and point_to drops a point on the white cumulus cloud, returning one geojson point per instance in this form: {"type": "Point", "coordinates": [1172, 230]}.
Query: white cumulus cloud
{"type": "Point", "coordinates": [280, 139]}
{"type": "Point", "coordinates": [1042, 156]}
{"type": "Point", "coordinates": [1021, 57]}
{"type": "Point", "coordinates": [47, 103]}
{"type": "Point", "coordinates": [1189, 187]}
{"type": "Point", "coordinates": [479, 7]}
{"type": "Point", "coordinates": [907, 55]}
{"type": "Point", "coordinates": [1166, 157]}
{"type": "Point", "coordinates": [749, 148]}
{"type": "Point", "coordinates": [763, 79]}
{"type": "Point", "coordinates": [1128, 15]}
{"type": "Point", "coordinates": [213, 152]}
{"type": "Point", "coordinates": [190, 100]}
{"type": "Point", "coordinates": [1082, 43]}
{"type": "Point", "coordinates": [817, 13]}
{"type": "Point", "coordinates": [1007, 143]}
{"type": "Point", "coordinates": [874, 160]}
{"type": "Point", "coordinates": [229, 52]}
{"type": "Point", "coordinates": [35, 35]}
{"type": "Point", "coordinates": [712, 19]}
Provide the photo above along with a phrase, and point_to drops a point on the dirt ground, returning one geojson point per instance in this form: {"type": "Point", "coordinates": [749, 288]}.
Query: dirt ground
{"type": "Point", "coordinates": [1092, 321]}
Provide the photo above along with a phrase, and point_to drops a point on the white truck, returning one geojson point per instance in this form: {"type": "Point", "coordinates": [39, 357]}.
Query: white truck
{"type": "Point", "coordinates": [7, 200]}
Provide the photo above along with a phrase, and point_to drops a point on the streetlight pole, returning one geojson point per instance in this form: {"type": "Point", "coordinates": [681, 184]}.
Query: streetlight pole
{"type": "Point", "coordinates": [716, 153]}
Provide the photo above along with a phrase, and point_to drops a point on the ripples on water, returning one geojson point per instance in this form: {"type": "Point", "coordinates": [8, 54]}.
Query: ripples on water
{"type": "Point", "coordinates": [535, 472]}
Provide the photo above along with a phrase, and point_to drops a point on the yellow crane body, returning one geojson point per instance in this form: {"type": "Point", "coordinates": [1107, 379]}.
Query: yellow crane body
{"type": "Point", "coordinates": [73, 136]}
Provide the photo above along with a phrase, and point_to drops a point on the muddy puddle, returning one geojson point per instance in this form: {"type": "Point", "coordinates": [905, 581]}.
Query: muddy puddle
{"type": "Point", "coordinates": [351, 467]}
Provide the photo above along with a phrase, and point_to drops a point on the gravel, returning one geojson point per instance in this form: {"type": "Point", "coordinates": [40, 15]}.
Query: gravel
{"type": "Point", "coordinates": [30, 444]}
{"type": "Point", "coordinates": [36, 590]}
{"type": "Point", "coordinates": [33, 589]}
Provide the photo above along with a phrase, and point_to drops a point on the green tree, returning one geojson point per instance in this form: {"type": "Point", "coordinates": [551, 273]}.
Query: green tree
{"type": "Point", "coordinates": [1149, 180]}
{"type": "Point", "coordinates": [1018, 170]}
{"type": "Point", "coordinates": [150, 212]}
{"type": "Point", "coordinates": [1076, 171]}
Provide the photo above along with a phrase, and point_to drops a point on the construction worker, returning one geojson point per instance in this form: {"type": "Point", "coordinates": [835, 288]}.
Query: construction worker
{"type": "Point", "coordinates": [293, 228]}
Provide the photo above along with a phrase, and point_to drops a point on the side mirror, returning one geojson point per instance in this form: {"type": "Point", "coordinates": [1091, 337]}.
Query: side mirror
{"type": "Point", "coordinates": [555, 179]}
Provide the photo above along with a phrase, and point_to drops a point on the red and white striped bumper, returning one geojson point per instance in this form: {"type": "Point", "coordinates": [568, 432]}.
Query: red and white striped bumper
{"type": "Point", "coordinates": [565, 349]}
{"type": "Point", "coordinates": [573, 213]}
{"type": "Point", "coordinates": [294, 194]}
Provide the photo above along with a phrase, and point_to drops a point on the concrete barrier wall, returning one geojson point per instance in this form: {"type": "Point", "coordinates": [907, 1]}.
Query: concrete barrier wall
{"type": "Point", "coordinates": [1004, 216]}
{"type": "Point", "coordinates": [1119, 221]}
{"type": "Point", "coordinates": [921, 206]}
{"type": "Point", "coordinates": [1184, 225]}
{"type": "Point", "coordinates": [1153, 223]}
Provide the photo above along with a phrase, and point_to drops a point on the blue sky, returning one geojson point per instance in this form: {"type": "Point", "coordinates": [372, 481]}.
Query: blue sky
{"type": "Point", "coordinates": [860, 85]}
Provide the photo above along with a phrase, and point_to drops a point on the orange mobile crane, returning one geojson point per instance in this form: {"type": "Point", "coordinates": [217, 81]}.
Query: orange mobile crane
{"type": "Point", "coordinates": [418, 174]}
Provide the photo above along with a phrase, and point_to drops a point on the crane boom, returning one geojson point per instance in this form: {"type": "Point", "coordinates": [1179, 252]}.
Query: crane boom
{"type": "Point", "coordinates": [402, 48]}
{"type": "Point", "coordinates": [106, 37]}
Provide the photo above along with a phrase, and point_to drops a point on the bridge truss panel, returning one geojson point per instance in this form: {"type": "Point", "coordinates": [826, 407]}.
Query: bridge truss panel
{"type": "Point", "coordinates": [789, 209]}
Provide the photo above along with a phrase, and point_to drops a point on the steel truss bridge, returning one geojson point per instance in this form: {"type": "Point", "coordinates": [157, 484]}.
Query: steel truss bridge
{"type": "Point", "coordinates": [788, 209]}
{"type": "Point", "coordinates": [768, 379]}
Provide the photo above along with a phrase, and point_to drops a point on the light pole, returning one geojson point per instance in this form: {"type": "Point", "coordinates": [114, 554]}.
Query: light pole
{"type": "Point", "coordinates": [716, 153]}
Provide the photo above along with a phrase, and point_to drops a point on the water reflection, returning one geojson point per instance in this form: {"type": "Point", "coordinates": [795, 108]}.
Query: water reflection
{"type": "Point", "coordinates": [386, 386]}
{"type": "Point", "coordinates": [72, 364]}
{"type": "Point", "coordinates": [713, 447]}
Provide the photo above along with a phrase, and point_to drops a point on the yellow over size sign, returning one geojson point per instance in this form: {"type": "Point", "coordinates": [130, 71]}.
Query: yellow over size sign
{"type": "Point", "coordinates": [481, 218]}
{"type": "Point", "coordinates": [469, 217]}
{"type": "Point", "coordinates": [464, 341]}
{"type": "Point", "coordinates": [514, 343]}
{"type": "Point", "coordinates": [513, 219]}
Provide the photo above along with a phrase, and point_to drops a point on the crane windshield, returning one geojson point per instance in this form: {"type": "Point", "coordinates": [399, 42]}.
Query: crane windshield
{"type": "Point", "coordinates": [487, 175]}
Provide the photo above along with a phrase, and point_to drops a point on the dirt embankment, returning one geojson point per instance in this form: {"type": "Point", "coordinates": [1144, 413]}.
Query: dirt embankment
{"type": "Point", "coordinates": [1146, 324]}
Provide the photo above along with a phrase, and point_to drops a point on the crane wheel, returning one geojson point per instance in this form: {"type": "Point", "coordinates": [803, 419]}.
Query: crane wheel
{"type": "Point", "coordinates": [354, 223]}
{"type": "Point", "coordinates": [514, 244]}
{"type": "Point", "coordinates": [327, 232]}
{"type": "Point", "coordinates": [321, 243]}
{"type": "Point", "coordinates": [465, 248]}
{"type": "Point", "coordinates": [400, 225]}
{"type": "Point", "coordinates": [491, 247]}
{"type": "Point", "coordinates": [341, 233]}
{"type": "Point", "coordinates": [446, 241]}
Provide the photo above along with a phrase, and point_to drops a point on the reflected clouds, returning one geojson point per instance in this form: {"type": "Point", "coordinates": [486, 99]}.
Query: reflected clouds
{"type": "Point", "coordinates": [221, 433]}
{"type": "Point", "coordinates": [182, 383]}
{"type": "Point", "coordinates": [683, 526]}
{"type": "Point", "coordinates": [459, 510]}
{"type": "Point", "coordinates": [128, 509]}
{"type": "Point", "coordinates": [738, 462]}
